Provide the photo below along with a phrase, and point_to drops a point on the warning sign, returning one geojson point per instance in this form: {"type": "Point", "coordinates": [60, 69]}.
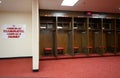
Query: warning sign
{"type": "Point", "coordinates": [13, 31]}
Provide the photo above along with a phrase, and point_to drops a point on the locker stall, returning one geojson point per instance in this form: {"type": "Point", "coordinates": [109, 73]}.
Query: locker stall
{"type": "Point", "coordinates": [95, 39]}
{"type": "Point", "coordinates": [47, 36]}
{"type": "Point", "coordinates": [76, 35]}
{"type": "Point", "coordinates": [64, 36]}
{"type": "Point", "coordinates": [109, 35]}
{"type": "Point", "coordinates": [118, 35]}
{"type": "Point", "coordinates": [80, 36]}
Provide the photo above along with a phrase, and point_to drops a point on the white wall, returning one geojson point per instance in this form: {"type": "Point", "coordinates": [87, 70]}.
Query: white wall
{"type": "Point", "coordinates": [16, 47]}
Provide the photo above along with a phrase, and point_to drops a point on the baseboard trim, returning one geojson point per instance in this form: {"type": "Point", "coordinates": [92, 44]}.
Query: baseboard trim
{"type": "Point", "coordinates": [15, 57]}
{"type": "Point", "coordinates": [35, 70]}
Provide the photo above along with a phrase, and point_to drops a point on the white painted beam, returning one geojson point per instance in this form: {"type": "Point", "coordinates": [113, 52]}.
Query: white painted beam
{"type": "Point", "coordinates": [35, 35]}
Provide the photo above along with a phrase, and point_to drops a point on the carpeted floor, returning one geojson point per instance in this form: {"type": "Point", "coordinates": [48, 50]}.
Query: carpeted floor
{"type": "Point", "coordinates": [97, 67]}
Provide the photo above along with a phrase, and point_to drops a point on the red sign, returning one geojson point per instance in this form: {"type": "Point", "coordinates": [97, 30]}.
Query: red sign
{"type": "Point", "coordinates": [13, 31]}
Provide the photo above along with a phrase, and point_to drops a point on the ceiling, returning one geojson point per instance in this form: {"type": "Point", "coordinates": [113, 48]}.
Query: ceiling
{"type": "Point", "coordinates": [110, 6]}
{"type": "Point", "coordinates": [16, 5]}
{"type": "Point", "coordinates": [83, 5]}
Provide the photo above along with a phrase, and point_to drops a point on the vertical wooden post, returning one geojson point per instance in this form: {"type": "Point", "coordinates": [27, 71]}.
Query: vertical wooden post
{"type": "Point", "coordinates": [102, 47]}
{"type": "Point", "coordinates": [72, 35]}
{"type": "Point", "coordinates": [56, 24]}
{"type": "Point", "coordinates": [115, 37]}
{"type": "Point", "coordinates": [88, 35]}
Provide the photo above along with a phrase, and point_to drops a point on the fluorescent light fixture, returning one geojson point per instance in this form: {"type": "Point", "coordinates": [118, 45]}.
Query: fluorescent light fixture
{"type": "Point", "coordinates": [69, 2]}
{"type": "Point", "coordinates": [0, 1]}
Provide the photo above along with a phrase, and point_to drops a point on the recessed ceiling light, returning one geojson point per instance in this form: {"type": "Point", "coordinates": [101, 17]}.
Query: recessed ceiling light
{"type": "Point", "coordinates": [0, 1]}
{"type": "Point", "coordinates": [69, 2]}
{"type": "Point", "coordinates": [119, 8]}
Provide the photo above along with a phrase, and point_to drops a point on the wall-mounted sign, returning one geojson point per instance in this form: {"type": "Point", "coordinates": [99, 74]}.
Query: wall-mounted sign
{"type": "Point", "coordinates": [13, 31]}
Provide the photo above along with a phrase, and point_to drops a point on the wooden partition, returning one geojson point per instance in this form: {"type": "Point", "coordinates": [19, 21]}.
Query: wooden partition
{"type": "Point", "coordinates": [80, 35]}
{"type": "Point", "coordinates": [64, 35]}
{"type": "Point", "coordinates": [47, 34]}
{"type": "Point", "coordinates": [109, 35]}
{"type": "Point", "coordinates": [95, 36]}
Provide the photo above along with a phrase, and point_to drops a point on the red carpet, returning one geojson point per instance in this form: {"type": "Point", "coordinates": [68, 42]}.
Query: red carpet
{"type": "Point", "coordinates": [97, 67]}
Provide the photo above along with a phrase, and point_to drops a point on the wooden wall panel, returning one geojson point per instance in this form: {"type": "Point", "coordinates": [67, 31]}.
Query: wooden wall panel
{"type": "Point", "coordinates": [46, 40]}
{"type": "Point", "coordinates": [78, 40]}
{"type": "Point", "coordinates": [91, 39]}
{"type": "Point", "coordinates": [110, 39]}
{"type": "Point", "coordinates": [118, 41]}
{"type": "Point", "coordinates": [62, 40]}
{"type": "Point", "coordinates": [104, 39]}
{"type": "Point", "coordinates": [84, 39]}
{"type": "Point", "coordinates": [97, 41]}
